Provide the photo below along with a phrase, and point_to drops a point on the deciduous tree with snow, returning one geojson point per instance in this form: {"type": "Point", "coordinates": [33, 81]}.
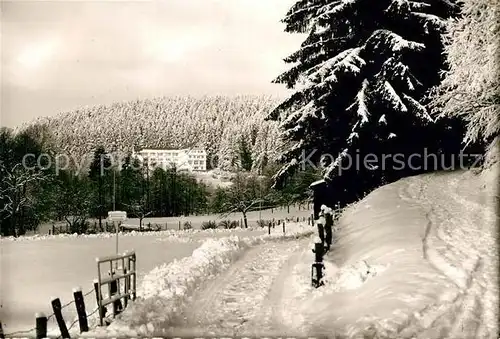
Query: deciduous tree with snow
{"type": "Point", "coordinates": [471, 87]}
{"type": "Point", "coordinates": [245, 194]}
{"type": "Point", "coordinates": [360, 77]}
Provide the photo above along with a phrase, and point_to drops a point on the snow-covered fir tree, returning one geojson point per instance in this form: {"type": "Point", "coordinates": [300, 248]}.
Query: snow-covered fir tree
{"type": "Point", "coordinates": [361, 77]}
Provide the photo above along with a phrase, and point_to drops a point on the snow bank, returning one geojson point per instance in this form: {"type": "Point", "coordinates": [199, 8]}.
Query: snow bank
{"type": "Point", "coordinates": [167, 288]}
{"type": "Point", "coordinates": [385, 278]}
{"type": "Point", "coordinates": [165, 233]}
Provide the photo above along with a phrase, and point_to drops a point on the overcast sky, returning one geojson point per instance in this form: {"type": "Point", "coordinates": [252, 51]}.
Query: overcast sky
{"type": "Point", "coordinates": [60, 55]}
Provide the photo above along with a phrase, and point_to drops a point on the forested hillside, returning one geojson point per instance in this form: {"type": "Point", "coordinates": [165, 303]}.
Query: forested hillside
{"type": "Point", "coordinates": [216, 123]}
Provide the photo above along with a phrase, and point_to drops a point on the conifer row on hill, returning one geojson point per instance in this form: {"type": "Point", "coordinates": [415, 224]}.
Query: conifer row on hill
{"type": "Point", "coordinates": [217, 124]}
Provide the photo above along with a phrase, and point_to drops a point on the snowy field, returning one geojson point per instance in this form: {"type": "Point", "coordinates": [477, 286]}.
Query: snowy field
{"type": "Point", "coordinates": [37, 268]}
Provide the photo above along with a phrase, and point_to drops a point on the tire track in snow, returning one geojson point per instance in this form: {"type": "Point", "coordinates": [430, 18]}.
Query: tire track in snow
{"type": "Point", "coordinates": [244, 300]}
{"type": "Point", "coordinates": [464, 316]}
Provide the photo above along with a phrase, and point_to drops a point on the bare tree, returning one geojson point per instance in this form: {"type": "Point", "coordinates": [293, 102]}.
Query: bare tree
{"type": "Point", "coordinates": [140, 210]}
{"type": "Point", "coordinates": [245, 193]}
{"type": "Point", "coordinates": [15, 194]}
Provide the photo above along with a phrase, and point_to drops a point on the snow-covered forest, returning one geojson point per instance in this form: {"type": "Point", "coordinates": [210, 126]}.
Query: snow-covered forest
{"type": "Point", "coordinates": [216, 123]}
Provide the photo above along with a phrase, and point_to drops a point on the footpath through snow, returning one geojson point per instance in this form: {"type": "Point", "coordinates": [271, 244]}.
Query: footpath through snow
{"type": "Point", "coordinates": [167, 290]}
{"type": "Point", "coordinates": [414, 259]}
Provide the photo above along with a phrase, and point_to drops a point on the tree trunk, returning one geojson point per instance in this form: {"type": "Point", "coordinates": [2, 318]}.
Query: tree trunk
{"type": "Point", "coordinates": [13, 230]}
{"type": "Point", "coordinates": [140, 224]}
{"type": "Point", "coordinates": [245, 221]}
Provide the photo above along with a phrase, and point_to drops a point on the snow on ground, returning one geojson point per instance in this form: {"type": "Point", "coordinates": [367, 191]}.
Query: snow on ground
{"type": "Point", "coordinates": [415, 259]}
{"type": "Point", "coordinates": [172, 223]}
{"type": "Point", "coordinates": [36, 268]}
{"type": "Point", "coordinates": [166, 235]}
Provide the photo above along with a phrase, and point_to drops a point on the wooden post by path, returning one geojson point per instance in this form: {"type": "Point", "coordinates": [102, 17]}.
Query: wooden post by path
{"type": "Point", "coordinates": [80, 309]}
{"type": "Point", "coordinates": [102, 311]}
{"type": "Point", "coordinates": [41, 326]}
{"type": "Point", "coordinates": [56, 307]}
{"type": "Point", "coordinates": [318, 266]}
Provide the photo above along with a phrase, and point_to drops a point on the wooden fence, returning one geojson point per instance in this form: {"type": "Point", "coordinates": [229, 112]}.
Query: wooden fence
{"type": "Point", "coordinates": [125, 272]}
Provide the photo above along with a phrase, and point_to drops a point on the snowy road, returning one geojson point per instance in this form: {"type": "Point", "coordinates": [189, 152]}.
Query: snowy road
{"type": "Point", "coordinates": [414, 259]}
{"type": "Point", "coordinates": [434, 278]}
{"type": "Point", "coordinates": [246, 298]}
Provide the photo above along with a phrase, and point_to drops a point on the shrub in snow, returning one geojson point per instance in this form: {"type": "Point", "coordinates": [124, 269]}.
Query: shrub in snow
{"type": "Point", "coordinates": [187, 225]}
{"type": "Point", "coordinates": [264, 223]}
{"type": "Point", "coordinates": [208, 225]}
{"type": "Point", "coordinates": [228, 224]}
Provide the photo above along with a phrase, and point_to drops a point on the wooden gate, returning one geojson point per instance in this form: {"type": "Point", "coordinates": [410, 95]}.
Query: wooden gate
{"type": "Point", "coordinates": [121, 280]}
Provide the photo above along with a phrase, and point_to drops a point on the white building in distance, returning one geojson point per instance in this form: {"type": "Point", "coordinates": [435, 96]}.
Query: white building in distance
{"type": "Point", "coordinates": [182, 159]}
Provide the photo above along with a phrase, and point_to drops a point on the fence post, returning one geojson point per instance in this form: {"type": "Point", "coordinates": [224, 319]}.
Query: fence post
{"type": "Point", "coordinates": [129, 278]}
{"type": "Point", "coordinates": [102, 310]}
{"type": "Point", "coordinates": [283, 227]}
{"type": "Point", "coordinates": [41, 325]}
{"type": "Point", "coordinates": [269, 228]}
{"type": "Point", "coordinates": [56, 307]}
{"type": "Point", "coordinates": [134, 295]}
{"type": "Point", "coordinates": [317, 266]}
{"type": "Point", "coordinates": [80, 309]}
{"type": "Point", "coordinates": [179, 225]}
{"type": "Point", "coordinates": [126, 284]}
{"type": "Point", "coordinates": [117, 304]}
